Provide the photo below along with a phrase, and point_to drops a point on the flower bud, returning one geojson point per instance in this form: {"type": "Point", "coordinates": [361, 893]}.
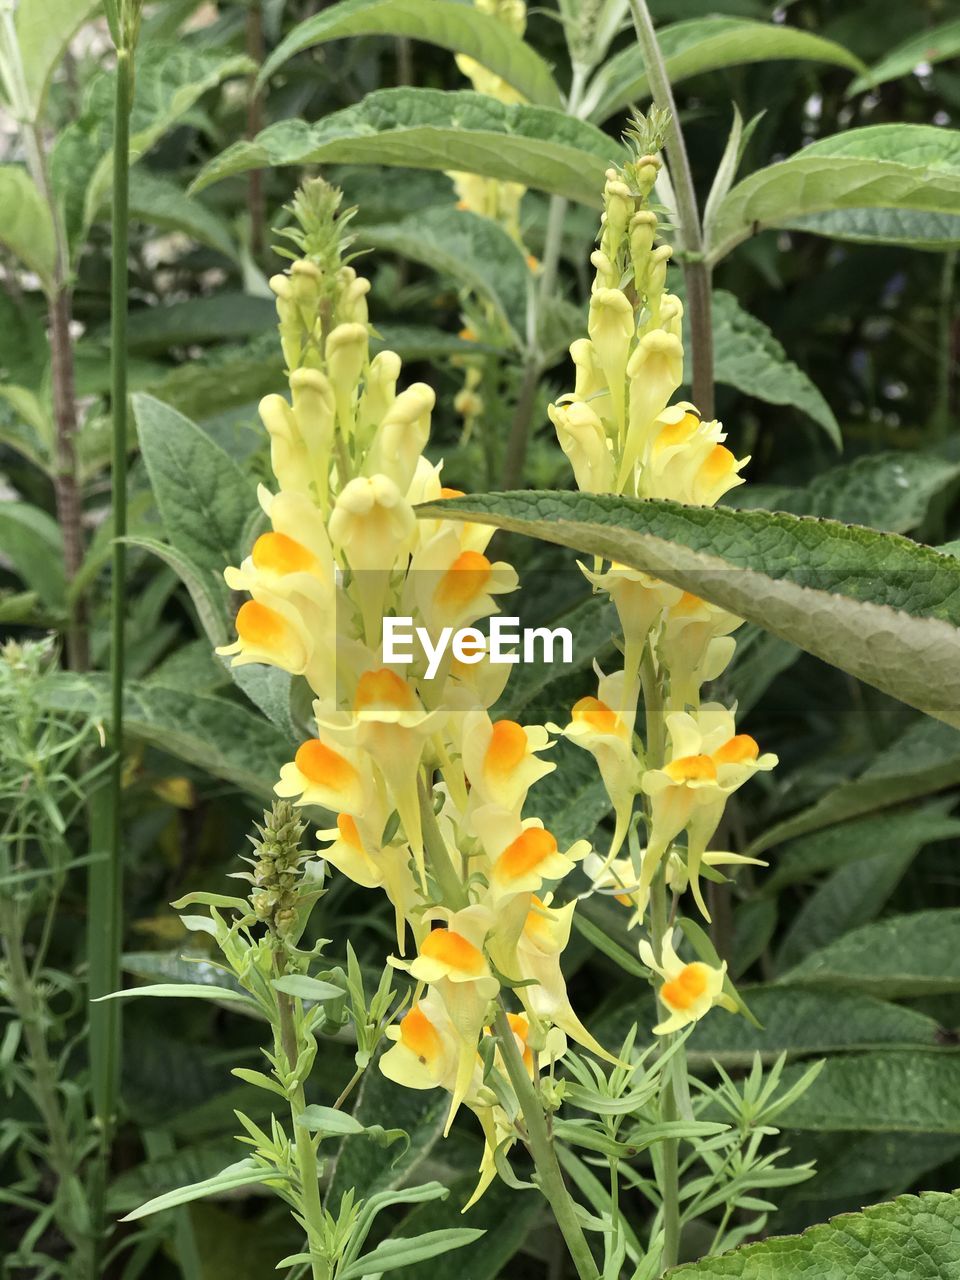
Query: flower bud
{"type": "Point", "coordinates": [346, 352]}
{"type": "Point", "coordinates": [352, 293]}
{"type": "Point", "coordinates": [402, 435]}
{"type": "Point", "coordinates": [288, 455]}
{"type": "Point", "coordinates": [313, 409]}
{"type": "Point", "coordinates": [371, 522]}
{"type": "Point", "coordinates": [655, 371]}
{"type": "Point", "coordinates": [379, 393]}
{"type": "Point", "coordinates": [611, 326]}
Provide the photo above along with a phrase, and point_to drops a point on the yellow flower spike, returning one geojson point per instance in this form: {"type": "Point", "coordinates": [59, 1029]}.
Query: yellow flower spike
{"type": "Point", "coordinates": [583, 438]}
{"type": "Point", "coordinates": [500, 759]}
{"type": "Point", "coordinates": [320, 774]}
{"type": "Point", "coordinates": [288, 453]}
{"type": "Point", "coordinates": [402, 435]}
{"type": "Point", "coordinates": [379, 393]}
{"type": "Point", "coordinates": [545, 934]}
{"type": "Point", "coordinates": [655, 371]}
{"type": "Point", "coordinates": [689, 991]}
{"type": "Point", "coordinates": [611, 325]}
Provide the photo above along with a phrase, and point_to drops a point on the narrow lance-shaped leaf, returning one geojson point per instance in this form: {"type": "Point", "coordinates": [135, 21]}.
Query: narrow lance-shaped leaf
{"type": "Point", "coordinates": [430, 129]}
{"type": "Point", "coordinates": [458, 27]}
{"type": "Point", "coordinates": [905, 170]}
{"type": "Point", "coordinates": [933, 45]}
{"type": "Point", "coordinates": [877, 605]}
{"type": "Point", "coordinates": [705, 44]}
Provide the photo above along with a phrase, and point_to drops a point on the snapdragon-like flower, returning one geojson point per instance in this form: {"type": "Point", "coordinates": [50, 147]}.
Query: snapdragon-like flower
{"type": "Point", "coordinates": [689, 991]}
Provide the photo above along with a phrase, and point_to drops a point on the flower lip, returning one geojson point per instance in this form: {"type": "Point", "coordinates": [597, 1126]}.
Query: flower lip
{"type": "Point", "coordinates": [508, 746]}
{"type": "Point", "coordinates": [278, 553]}
{"type": "Point", "coordinates": [683, 991]}
{"type": "Point", "coordinates": [464, 580]}
{"type": "Point", "coordinates": [419, 1035]}
{"type": "Point", "coordinates": [741, 749]}
{"type": "Point", "coordinates": [259, 625]}
{"type": "Point", "coordinates": [526, 853]}
{"type": "Point", "coordinates": [453, 950]}
{"type": "Point", "coordinates": [383, 690]}
{"type": "Point", "coordinates": [325, 767]}
{"type": "Point", "coordinates": [597, 715]}
{"type": "Point", "coordinates": [691, 769]}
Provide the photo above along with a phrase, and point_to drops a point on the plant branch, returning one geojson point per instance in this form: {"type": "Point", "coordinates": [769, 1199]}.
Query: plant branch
{"type": "Point", "coordinates": [696, 271]}
{"type": "Point", "coordinates": [541, 1148]}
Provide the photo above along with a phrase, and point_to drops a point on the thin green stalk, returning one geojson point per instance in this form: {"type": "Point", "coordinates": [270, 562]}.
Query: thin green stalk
{"type": "Point", "coordinates": [438, 857]}
{"type": "Point", "coordinates": [669, 1180]}
{"type": "Point", "coordinates": [106, 884]}
{"type": "Point", "coordinates": [945, 330]}
{"type": "Point", "coordinates": [544, 1156]}
{"type": "Point", "coordinates": [696, 270]}
{"type": "Point", "coordinates": [310, 1202]}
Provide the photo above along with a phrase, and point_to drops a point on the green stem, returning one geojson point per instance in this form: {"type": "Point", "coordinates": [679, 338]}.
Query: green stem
{"type": "Point", "coordinates": [696, 270]}
{"type": "Point", "coordinates": [669, 1172]}
{"type": "Point", "coordinates": [541, 1148]}
{"type": "Point", "coordinates": [451, 885]}
{"type": "Point", "coordinates": [945, 361]}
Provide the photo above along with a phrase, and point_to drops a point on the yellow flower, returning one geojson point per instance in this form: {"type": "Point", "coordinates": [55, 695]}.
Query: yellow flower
{"type": "Point", "coordinates": [546, 933]}
{"type": "Point", "coordinates": [655, 371]}
{"type": "Point", "coordinates": [611, 325]}
{"type": "Point", "coordinates": [522, 854]}
{"type": "Point", "coordinates": [452, 962]}
{"type": "Point", "coordinates": [708, 761]}
{"type": "Point", "coordinates": [604, 727]}
{"type": "Point", "coordinates": [689, 990]}
{"type": "Point", "coordinates": [695, 646]}
{"type": "Point", "coordinates": [372, 523]}
{"type": "Point", "coordinates": [425, 1049]}
{"type": "Point", "coordinates": [452, 587]}
{"type": "Point", "coordinates": [321, 774]}
{"type": "Point", "coordinates": [401, 435]}
{"type": "Point", "coordinates": [356, 851]}
{"type": "Point", "coordinates": [500, 759]}
{"type": "Point", "coordinates": [583, 439]}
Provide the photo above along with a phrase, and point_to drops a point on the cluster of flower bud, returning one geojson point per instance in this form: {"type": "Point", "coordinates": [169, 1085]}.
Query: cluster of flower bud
{"type": "Point", "coordinates": [276, 867]}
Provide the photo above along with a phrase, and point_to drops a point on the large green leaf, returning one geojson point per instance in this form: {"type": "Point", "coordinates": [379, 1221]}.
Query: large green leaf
{"type": "Point", "coordinates": [161, 203]}
{"type": "Point", "coordinates": [896, 1091]}
{"type": "Point", "coordinates": [914, 1236]}
{"type": "Point", "coordinates": [458, 27]}
{"type": "Point", "coordinates": [923, 760]}
{"type": "Point", "coordinates": [204, 498]}
{"type": "Point", "coordinates": [863, 837]}
{"type": "Point", "coordinates": [430, 129]}
{"type": "Point", "coordinates": [223, 738]}
{"type": "Point", "coordinates": [794, 1020]}
{"type": "Point", "coordinates": [705, 44]}
{"type": "Point", "coordinates": [747, 356]}
{"type": "Point", "coordinates": [931, 45]}
{"type": "Point", "coordinates": [26, 227]}
{"type": "Point", "coordinates": [889, 491]}
{"type": "Point", "coordinates": [475, 251]}
{"type": "Point", "coordinates": [885, 609]}
{"type": "Point", "coordinates": [32, 541]}
{"type": "Point", "coordinates": [908, 227]}
{"type": "Point", "coordinates": [44, 29]}
{"type": "Point", "coordinates": [222, 317]}
{"type": "Point", "coordinates": [911, 955]}
{"type": "Point", "coordinates": [851, 896]}
{"type": "Point", "coordinates": [898, 167]}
